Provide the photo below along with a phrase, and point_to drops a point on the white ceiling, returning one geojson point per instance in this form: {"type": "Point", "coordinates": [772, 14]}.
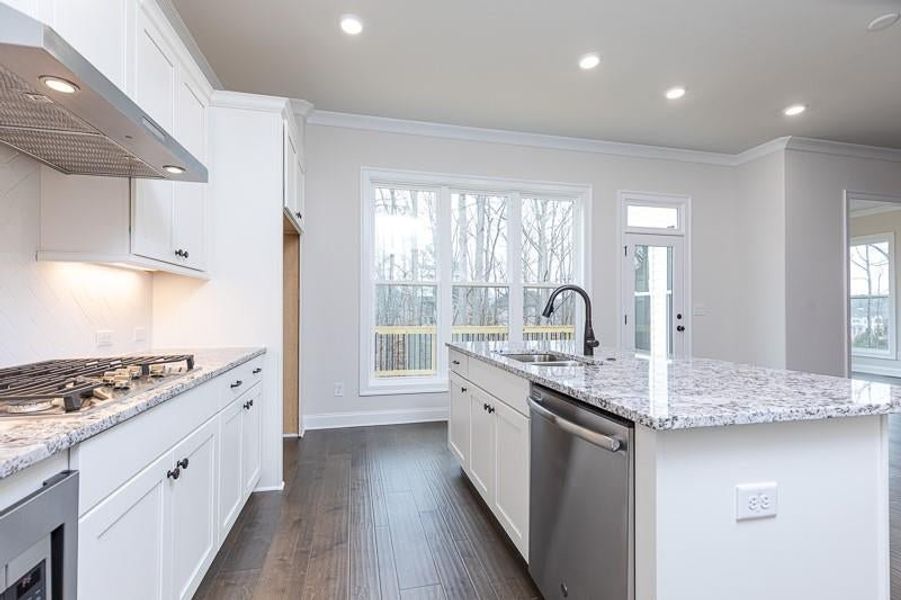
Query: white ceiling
{"type": "Point", "coordinates": [511, 64]}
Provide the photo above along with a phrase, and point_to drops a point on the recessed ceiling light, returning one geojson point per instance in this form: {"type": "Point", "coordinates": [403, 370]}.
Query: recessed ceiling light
{"type": "Point", "coordinates": [883, 22]}
{"type": "Point", "coordinates": [794, 110]}
{"type": "Point", "coordinates": [175, 170]}
{"type": "Point", "coordinates": [58, 84]}
{"type": "Point", "coordinates": [674, 93]}
{"type": "Point", "coordinates": [351, 24]}
{"type": "Point", "coordinates": [589, 61]}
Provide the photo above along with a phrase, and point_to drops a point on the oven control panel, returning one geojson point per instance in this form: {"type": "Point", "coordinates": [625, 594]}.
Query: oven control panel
{"type": "Point", "coordinates": [31, 586]}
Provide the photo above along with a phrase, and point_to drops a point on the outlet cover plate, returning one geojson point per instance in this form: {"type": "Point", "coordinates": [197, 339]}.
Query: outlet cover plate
{"type": "Point", "coordinates": [103, 337]}
{"type": "Point", "coordinates": [756, 500]}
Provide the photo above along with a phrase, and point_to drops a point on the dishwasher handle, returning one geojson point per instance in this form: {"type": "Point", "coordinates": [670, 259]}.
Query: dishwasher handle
{"type": "Point", "coordinates": [600, 440]}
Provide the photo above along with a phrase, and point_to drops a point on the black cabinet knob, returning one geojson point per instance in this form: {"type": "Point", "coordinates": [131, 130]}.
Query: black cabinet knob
{"type": "Point", "coordinates": [680, 328]}
{"type": "Point", "coordinates": [186, 254]}
{"type": "Point", "coordinates": [247, 405]}
{"type": "Point", "coordinates": [298, 215]}
{"type": "Point", "coordinates": [236, 384]}
{"type": "Point", "coordinates": [463, 389]}
{"type": "Point", "coordinates": [490, 409]}
{"type": "Point", "coordinates": [456, 362]}
{"type": "Point", "coordinates": [258, 370]}
{"type": "Point", "coordinates": [174, 473]}
{"type": "Point", "coordinates": [182, 464]}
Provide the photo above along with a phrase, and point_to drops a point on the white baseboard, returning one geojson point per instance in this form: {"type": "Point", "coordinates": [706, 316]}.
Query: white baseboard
{"type": "Point", "coordinates": [374, 417]}
{"type": "Point", "coordinates": [270, 488]}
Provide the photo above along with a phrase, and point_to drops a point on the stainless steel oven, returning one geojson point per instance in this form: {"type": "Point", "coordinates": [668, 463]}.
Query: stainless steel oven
{"type": "Point", "coordinates": [39, 542]}
{"type": "Point", "coordinates": [581, 528]}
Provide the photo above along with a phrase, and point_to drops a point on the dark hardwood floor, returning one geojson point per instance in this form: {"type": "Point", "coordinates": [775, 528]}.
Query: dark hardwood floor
{"type": "Point", "coordinates": [373, 512]}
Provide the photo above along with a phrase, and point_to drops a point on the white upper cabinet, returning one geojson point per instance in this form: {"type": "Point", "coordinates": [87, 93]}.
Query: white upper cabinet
{"type": "Point", "coordinates": [156, 73]}
{"type": "Point", "coordinates": [102, 38]}
{"type": "Point", "coordinates": [292, 169]}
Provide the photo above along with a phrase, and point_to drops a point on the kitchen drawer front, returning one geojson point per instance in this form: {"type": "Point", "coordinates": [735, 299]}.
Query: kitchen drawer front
{"type": "Point", "coordinates": [506, 387]}
{"type": "Point", "coordinates": [110, 459]}
{"type": "Point", "coordinates": [457, 363]}
{"type": "Point", "coordinates": [239, 380]}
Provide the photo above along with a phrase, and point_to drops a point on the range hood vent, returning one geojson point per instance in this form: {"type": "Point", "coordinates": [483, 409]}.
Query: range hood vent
{"type": "Point", "coordinates": [93, 130]}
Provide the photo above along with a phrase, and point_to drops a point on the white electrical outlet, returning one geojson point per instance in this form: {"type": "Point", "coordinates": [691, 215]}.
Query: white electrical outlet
{"type": "Point", "coordinates": [140, 334]}
{"type": "Point", "coordinates": [339, 389]}
{"type": "Point", "coordinates": [103, 337]}
{"type": "Point", "coordinates": [756, 500]}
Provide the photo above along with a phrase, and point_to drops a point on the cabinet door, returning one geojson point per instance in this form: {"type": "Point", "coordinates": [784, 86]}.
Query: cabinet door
{"type": "Point", "coordinates": [193, 504]}
{"type": "Point", "coordinates": [123, 542]}
{"type": "Point", "coordinates": [155, 73]}
{"type": "Point", "coordinates": [97, 29]}
{"type": "Point", "coordinates": [511, 497]}
{"type": "Point", "coordinates": [231, 453]}
{"type": "Point", "coordinates": [481, 458]}
{"type": "Point", "coordinates": [152, 219]}
{"type": "Point", "coordinates": [252, 437]}
{"type": "Point", "coordinates": [299, 197]}
{"type": "Point", "coordinates": [458, 419]}
{"type": "Point", "coordinates": [189, 228]}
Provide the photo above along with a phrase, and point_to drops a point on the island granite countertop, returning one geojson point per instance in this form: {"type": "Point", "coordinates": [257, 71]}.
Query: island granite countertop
{"type": "Point", "coordinates": [665, 393]}
{"type": "Point", "coordinates": [25, 441]}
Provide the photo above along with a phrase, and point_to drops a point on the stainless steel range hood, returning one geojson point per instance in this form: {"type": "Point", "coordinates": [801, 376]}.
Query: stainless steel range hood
{"type": "Point", "coordinates": [93, 130]}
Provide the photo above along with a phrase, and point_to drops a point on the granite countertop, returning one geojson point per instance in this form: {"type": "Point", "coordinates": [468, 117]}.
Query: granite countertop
{"type": "Point", "coordinates": [27, 440]}
{"type": "Point", "coordinates": [678, 394]}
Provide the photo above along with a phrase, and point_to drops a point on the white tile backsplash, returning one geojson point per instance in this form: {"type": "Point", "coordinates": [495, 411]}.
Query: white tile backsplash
{"type": "Point", "coordinates": [48, 309]}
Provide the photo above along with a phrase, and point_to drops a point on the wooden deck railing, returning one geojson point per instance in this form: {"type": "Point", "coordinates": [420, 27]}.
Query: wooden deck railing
{"type": "Point", "coordinates": [412, 350]}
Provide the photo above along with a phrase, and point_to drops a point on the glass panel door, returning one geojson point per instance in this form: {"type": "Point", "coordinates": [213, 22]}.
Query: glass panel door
{"type": "Point", "coordinates": [654, 321]}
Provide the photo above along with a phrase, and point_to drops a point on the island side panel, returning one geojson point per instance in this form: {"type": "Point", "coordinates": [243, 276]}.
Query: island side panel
{"type": "Point", "coordinates": [829, 539]}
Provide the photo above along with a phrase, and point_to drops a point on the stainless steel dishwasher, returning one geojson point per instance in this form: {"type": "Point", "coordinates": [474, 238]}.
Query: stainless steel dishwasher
{"type": "Point", "coordinates": [581, 500]}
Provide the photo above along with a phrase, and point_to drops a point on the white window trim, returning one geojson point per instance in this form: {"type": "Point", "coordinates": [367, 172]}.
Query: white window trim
{"type": "Point", "coordinates": [890, 353]}
{"type": "Point", "coordinates": [443, 183]}
{"type": "Point", "coordinates": [683, 204]}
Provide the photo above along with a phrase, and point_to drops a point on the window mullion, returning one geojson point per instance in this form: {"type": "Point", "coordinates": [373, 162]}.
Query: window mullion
{"type": "Point", "coordinates": [445, 266]}
{"type": "Point", "coordinates": [514, 267]}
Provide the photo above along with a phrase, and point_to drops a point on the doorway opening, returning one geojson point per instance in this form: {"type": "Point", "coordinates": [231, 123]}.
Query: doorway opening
{"type": "Point", "coordinates": [291, 248]}
{"type": "Point", "coordinates": [654, 280]}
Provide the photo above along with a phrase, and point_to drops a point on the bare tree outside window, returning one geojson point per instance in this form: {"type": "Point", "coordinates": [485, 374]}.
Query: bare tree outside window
{"type": "Point", "coordinates": [871, 303]}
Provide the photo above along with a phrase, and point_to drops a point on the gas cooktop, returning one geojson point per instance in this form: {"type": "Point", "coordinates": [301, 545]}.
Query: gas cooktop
{"type": "Point", "coordinates": [59, 387]}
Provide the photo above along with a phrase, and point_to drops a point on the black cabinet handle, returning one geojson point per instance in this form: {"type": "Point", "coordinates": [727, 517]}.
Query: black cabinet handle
{"type": "Point", "coordinates": [248, 404]}
{"type": "Point", "coordinates": [490, 409]}
{"type": "Point", "coordinates": [680, 328]}
{"type": "Point", "coordinates": [185, 253]}
{"type": "Point", "coordinates": [456, 362]}
{"type": "Point", "coordinates": [182, 464]}
{"type": "Point", "coordinates": [179, 252]}
{"type": "Point", "coordinates": [236, 384]}
{"type": "Point", "coordinates": [463, 389]}
{"type": "Point", "coordinates": [298, 215]}
{"type": "Point", "coordinates": [174, 473]}
{"type": "Point", "coordinates": [258, 370]}
{"type": "Point", "coordinates": [484, 406]}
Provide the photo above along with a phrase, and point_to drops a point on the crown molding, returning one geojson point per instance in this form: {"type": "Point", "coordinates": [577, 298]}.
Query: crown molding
{"type": "Point", "coordinates": [514, 138]}
{"type": "Point", "coordinates": [802, 144]}
{"type": "Point", "coordinates": [301, 108]}
{"type": "Point", "coordinates": [538, 140]}
{"type": "Point", "coordinates": [224, 99]}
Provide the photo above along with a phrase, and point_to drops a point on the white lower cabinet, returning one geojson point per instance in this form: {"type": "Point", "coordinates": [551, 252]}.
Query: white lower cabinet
{"type": "Point", "coordinates": [481, 458]}
{"type": "Point", "coordinates": [251, 438]}
{"type": "Point", "coordinates": [511, 495]}
{"type": "Point", "coordinates": [154, 534]}
{"type": "Point", "coordinates": [458, 420]}
{"type": "Point", "coordinates": [491, 440]}
{"type": "Point", "coordinates": [123, 542]}
{"type": "Point", "coordinates": [231, 484]}
{"type": "Point", "coordinates": [193, 510]}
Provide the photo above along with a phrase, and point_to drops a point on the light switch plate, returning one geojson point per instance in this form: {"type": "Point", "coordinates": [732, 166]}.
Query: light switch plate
{"type": "Point", "coordinates": [339, 389]}
{"type": "Point", "coordinates": [140, 334]}
{"type": "Point", "coordinates": [756, 500]}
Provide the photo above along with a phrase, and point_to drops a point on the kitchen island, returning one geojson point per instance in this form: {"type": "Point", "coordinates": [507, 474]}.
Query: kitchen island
{"type": "Point", "coordinates": [704, 431]}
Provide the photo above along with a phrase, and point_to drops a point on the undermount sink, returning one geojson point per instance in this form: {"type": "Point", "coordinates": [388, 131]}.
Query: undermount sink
{"type": "Point", "coordinates": [545, 360]}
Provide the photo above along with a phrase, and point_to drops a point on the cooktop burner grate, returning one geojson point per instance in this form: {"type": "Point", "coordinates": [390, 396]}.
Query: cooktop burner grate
{"type": "Point", "coordinates": [63, 386]}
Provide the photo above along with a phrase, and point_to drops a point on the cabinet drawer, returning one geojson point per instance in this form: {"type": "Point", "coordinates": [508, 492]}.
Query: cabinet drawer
{"type": "Point", "coordinates": [457, 362]}
{"type": "Point", "coordinates": [510, 389]}
{"type": "Point", "coordinates": [239, 380]}
{"type": "Point", "coordinates": [110, 459]}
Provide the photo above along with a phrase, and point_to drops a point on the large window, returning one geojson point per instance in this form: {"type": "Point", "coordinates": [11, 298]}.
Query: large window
{"type": "Point", "coordinates": [872, 295]}
{"type": "Point", "coordinates": [465, 259]}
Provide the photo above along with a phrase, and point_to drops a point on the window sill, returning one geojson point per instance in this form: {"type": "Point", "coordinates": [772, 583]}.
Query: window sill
{"type": "Point", "coordinates": [880, 355]}
{"type": "Point", "coordinates": [397, 390]}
